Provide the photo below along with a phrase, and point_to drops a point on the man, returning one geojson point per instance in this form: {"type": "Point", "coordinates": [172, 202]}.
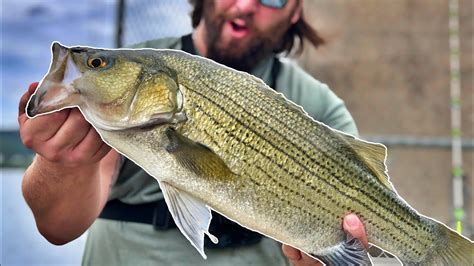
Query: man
{"type": "Point", "coordinates": [75, 174]}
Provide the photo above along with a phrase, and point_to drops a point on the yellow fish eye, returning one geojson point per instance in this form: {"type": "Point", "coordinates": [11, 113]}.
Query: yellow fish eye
{"type": "Point", "coordinates": [96, 62]}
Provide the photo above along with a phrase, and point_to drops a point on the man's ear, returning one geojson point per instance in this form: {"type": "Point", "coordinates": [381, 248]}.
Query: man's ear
{"type": "Point", "coordinates": [298, 10]}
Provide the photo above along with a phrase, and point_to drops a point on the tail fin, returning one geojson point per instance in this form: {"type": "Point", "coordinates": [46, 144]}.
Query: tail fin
{"type": "Point", "coordinates": [452, 249]}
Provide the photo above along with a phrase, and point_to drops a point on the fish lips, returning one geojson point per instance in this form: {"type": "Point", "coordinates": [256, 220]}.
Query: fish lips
{"type": "Point", "coordinates": [56, 90]}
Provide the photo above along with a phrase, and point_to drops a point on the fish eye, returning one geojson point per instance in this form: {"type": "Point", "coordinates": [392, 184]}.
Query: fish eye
{"type": "Point", "coordinates": [96, 62]}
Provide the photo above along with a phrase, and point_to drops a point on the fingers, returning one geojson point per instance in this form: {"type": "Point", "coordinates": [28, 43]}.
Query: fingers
{"type": "Point", "coordinates": [72, 131]}
{"type": "Point", "coordinates": [63, 136]}
{"type": "Point", "coordinates": [24, 100]}
{"type": "Point", "coordinates": [351, 224]}
{"type": "Point", "coordinates": [354, 226]}
{"type": "Point", "coordinates": [42, 128]}
{"type": "Point", "coordinates": [32, 87]}
{"type": "Point", "coordinates": [102, 152]}
{"type": "Point", "coordinates": [290, 252]}
{"type": "Point", "coordinates": [92, 146]}
{"type": "Point", "coordinates": [297, 258]}
{"type": "Point", "coordinates": [73, 143]}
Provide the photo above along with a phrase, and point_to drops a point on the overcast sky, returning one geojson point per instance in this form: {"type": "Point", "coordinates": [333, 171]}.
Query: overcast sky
{"type": "Point", "coordinates": [30, 26]}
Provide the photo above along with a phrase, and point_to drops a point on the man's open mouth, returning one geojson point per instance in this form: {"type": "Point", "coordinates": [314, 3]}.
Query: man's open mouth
{"type": "Point", "coordinates": [238, 28]}
{"type": "Point", "coordinates": [239, 25]}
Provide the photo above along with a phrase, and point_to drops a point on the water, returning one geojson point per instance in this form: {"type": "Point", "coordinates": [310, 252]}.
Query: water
{"type": "Point", "coordinates": [21, 243]}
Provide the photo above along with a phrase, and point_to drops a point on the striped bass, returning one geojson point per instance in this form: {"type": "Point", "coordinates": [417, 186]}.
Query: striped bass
{"type": "Point", "coordinates": [220, 139]}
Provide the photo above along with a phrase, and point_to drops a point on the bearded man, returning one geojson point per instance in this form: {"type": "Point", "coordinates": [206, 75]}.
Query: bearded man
{"type": "Point", "coordinates": [76, 182]}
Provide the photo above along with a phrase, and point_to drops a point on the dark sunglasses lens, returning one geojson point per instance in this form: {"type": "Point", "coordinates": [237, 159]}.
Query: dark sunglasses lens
{"type": "Point", "coordinates": [274, 3]}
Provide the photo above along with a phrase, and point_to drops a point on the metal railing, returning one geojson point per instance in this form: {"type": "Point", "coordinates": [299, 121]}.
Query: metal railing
{"type": "Point", "coordinates": [420, 142]}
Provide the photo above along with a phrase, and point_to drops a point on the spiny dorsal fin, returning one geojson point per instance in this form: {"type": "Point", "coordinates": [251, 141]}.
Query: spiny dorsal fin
{"type": "Point", "coordinates": [374, 155]}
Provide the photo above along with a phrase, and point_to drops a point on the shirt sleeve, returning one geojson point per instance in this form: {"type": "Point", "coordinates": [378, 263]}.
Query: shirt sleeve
{"type": "Point", "coordinates": [316, 98]}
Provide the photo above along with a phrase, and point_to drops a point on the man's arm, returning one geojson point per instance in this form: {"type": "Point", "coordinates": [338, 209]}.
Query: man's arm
{"type": "Point", "coordinates": [68, 182]}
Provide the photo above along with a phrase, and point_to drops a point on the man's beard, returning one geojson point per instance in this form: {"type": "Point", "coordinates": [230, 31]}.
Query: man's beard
{"type": "Point", "coordinates": [234, 55]}
{"type": "Point", "coordinates": [241, 59]}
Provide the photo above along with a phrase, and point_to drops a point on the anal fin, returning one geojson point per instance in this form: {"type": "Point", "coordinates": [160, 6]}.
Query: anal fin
{"type": "Point", "coordinates": [349, 252]}
{"type": "Point", "coordinates": [190, 215]}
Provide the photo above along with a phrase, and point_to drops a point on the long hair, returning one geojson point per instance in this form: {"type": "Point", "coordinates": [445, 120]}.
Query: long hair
{"type": "Point", "coordinates": [300, 31]}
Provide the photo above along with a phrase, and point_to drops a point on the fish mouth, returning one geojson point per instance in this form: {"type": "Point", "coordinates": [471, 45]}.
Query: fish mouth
{"type": "Point", "coordinates": [56, 90]}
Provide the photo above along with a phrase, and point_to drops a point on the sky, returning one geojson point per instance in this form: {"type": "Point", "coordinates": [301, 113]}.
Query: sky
{"type": "Point", "coordinates": [28, 27]}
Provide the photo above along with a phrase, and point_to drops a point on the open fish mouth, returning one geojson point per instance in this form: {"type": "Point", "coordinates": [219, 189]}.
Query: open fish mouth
{"type": "Point", "coordinates": [56, 90]}
{"type": "Point", "coordinates": [113, 89]}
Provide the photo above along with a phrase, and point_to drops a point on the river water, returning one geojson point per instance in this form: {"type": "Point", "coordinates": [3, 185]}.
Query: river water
{"type": "Point", "coordinates": [21, 244]}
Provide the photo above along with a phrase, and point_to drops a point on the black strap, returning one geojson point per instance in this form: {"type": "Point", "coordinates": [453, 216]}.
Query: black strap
{"type": "Point", "coordinates": [230, 234]}
{"type": "Point", "coordinates": [275, 71]}
{"type": "Point", "coordinates": [187, 44]}
{"type": "Point", "coordinates": [154, 213]}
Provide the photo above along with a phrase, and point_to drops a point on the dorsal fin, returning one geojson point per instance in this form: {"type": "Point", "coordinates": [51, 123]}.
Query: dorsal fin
{"type": "Point", "coordinates": [374, 155]}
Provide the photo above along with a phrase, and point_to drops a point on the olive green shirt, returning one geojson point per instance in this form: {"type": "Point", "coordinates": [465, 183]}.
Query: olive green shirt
{"type": "Point", "coordinates": [125, 243]}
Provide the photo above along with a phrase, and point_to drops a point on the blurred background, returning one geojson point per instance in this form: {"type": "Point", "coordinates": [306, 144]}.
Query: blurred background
{"type": "Point", "coordinates": [394, 63]}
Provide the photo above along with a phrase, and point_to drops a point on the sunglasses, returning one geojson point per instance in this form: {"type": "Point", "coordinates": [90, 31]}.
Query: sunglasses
{"type": "Point", "coordinates": [274, 3]}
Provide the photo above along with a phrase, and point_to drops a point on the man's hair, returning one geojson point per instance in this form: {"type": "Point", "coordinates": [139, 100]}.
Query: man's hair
{"type": "Point", "coordinates": [300, 30]}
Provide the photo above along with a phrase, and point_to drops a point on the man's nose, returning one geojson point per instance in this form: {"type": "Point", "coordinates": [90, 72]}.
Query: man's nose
{"type": "Point", "coordinates": [247, 6]}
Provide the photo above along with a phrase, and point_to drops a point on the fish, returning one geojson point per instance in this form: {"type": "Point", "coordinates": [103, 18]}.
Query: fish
{"type": "Point", "coordinates": [219, 139]}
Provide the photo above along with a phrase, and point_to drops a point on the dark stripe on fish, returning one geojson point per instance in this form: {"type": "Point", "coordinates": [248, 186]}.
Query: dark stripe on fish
{"type": "Point", "coordinates": [385, 194]}
{"type": "Point", "coordinates": [320, 191]}
{"type": "Point", "coordinates": [381, 215]}
{"type": "Point", "coordinates": [366, 189]}
{"type": "Point", "coordinates": [216, 123]}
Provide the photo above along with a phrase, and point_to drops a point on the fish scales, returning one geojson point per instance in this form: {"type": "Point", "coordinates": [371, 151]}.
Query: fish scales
{"type": "Point", "coordinates": [248, 150]}
{"type": "Point", "coordinates": [234, 150]}
{"type": "Point", "coordinates": [239, 93]}
{"type": "Point", "coordinates": [222, 137]}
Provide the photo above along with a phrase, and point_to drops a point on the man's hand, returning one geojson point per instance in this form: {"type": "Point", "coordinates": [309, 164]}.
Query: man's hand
{"type": "Point", "coordinates": [351, 224]}
{"type": "Point", "coordinates": [70, 178]}
{"type": "Point", "coordinates": [63, 137]}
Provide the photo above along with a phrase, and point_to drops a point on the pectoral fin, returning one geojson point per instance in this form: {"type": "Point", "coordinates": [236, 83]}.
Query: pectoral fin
{"type": "Point", "coordinates": [196, 157]}
{"type": "Point", "coordinates": [190, 215]}
{"type": "Point", "coordinates": [349, 252]}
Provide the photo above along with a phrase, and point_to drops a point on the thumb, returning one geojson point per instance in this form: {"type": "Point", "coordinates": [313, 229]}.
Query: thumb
{"type": "Point", "coordinates": [354, 226]}
{"type": "Point", "coordinates": [32, 87]}
{"type": "Point", "coordinates": [290, 252]}
{"type": "Point", "coordinates": [24, 100]}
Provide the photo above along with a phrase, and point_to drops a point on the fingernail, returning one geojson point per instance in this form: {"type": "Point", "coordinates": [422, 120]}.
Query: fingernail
{"type": "Point", "coordinates": [351, 221]}
{"type": "Point", "coordinates": [33, 86]}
